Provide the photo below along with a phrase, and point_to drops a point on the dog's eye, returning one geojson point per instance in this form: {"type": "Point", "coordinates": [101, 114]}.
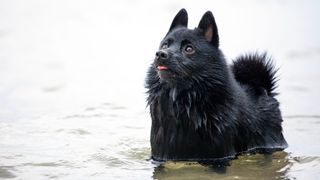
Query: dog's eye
{"type": "Point", "coordinates": [189, 49]}
{"type": "Point", "coordinates": [164, 46]}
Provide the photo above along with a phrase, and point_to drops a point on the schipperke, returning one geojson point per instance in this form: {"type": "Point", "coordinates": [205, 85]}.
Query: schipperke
{"type": "Point", "coordinates": [202, 109]}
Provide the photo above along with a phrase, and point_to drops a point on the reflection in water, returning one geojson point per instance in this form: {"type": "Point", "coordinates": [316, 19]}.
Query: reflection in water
{"type": "Point", "coordinates": [256, 166]}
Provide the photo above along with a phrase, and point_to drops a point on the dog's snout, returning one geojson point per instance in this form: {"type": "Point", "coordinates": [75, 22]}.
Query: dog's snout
{"type": "Point", "coordinates": [163, 55]}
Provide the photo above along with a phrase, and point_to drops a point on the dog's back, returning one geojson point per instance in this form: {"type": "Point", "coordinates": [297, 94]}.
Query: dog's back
{"type": "Point", "coordinates": [256, 74]}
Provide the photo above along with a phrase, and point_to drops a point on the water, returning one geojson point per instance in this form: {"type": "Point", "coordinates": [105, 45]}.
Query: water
{"type": "Point", "coordinates": [72, 95]}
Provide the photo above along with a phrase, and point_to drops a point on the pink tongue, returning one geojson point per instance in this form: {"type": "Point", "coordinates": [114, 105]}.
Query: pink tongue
{"type": "Point", "coordinates": [162, 67]}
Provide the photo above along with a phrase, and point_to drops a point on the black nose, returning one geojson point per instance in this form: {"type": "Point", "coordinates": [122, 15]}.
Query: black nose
{"type": "Point", "coordinates": [163, 55]}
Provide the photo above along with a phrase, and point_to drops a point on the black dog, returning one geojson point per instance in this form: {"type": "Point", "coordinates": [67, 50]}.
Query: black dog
{"type": "Point", "coordinates": [201, 108]}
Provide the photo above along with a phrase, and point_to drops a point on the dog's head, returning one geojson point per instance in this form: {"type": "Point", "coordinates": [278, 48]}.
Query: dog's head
{"type": "Point", "coordinates": [186, 53]}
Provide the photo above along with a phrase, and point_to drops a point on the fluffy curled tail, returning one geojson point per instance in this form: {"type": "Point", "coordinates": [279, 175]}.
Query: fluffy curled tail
{"type": "Point", "coordinates": [257, 71]}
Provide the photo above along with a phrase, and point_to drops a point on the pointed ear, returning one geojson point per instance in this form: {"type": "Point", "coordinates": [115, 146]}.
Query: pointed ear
{"type": "Point", "coordinates": [181, 19]}
{"type": "Point", "coordinates": [209, 29]}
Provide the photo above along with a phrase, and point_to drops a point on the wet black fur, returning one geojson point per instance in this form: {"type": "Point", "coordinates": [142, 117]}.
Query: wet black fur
{"type": "Point", "coordinates": [203, 109]}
